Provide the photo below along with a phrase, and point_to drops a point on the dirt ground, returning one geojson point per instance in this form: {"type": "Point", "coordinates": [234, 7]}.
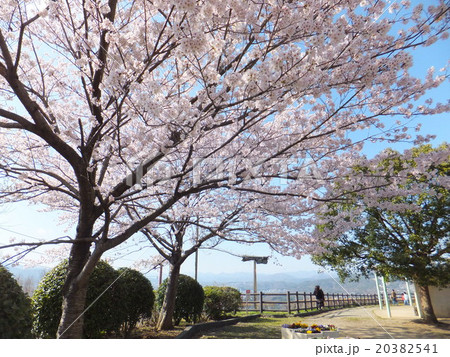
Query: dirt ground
{"type": "Point", "coordinates": [371, 322]}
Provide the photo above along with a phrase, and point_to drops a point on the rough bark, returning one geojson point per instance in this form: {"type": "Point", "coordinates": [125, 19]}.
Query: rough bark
{"type": "Point", "coordinates": [72, 318]}
{"type": "Point", "coordinates": [165, 321]}
{"type": "Point", "coordinates": [75, 286]}
{"type": "Point", "coordinates": [427, 306]}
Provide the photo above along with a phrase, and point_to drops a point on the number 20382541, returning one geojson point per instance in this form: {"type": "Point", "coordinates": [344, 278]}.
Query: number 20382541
{"type": "Point", "coordinates": [413, 348]}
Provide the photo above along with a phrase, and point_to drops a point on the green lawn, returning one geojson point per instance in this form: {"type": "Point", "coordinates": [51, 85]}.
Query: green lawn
{"type": "Point", "coordinates": [260, 328]}
{"type": "Point", "coordinates": [266, 326]}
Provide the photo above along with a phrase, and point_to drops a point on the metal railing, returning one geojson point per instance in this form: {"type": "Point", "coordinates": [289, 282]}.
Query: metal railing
{"type": "Point", "coordinates": [292, 302]}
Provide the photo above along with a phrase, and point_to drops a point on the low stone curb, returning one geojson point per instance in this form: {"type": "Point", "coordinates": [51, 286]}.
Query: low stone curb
{"type": "Point", "coordinates": [194, 330]}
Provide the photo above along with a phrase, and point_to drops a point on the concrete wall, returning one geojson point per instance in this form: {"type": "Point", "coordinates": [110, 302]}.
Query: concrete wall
{"type": "Point", "coordinates": [440, 298]}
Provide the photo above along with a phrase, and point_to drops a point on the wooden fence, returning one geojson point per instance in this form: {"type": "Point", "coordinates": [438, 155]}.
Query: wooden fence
{"type": "Point", "coordinates": [294, 302]}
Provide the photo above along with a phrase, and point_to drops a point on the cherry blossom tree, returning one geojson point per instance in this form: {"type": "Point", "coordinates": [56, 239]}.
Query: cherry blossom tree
{"type": "Point", "coordinates": [177, 237]}
{"type": "Point", "coordinates": [108, 104]}
{"type": "Point", "coordinates": [184, 229]}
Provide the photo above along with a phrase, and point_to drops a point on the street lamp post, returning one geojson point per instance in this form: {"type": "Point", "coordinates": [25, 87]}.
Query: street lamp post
{"type": "Point", "coordinates": [256, 260]}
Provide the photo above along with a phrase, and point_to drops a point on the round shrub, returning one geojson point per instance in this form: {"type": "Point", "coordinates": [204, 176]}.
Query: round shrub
{"type": "Point", "coordinates": [100, 318]}
{"type": "Point", "coordinates": [188, 301]}
{"type": "Point", "coordinates": [15, 308]}
{"type": "Point", "coordinates": [103, 317]}
{"type": "Point", "coordinates": [137, 298]}
{"type": "Point", "coordinates": [220, 301]}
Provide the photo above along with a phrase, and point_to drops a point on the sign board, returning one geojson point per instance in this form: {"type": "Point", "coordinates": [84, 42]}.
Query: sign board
{"type": "Point", "coordinates": [258, 260]}
{"type": "Point", "coordinates": [247, 298]}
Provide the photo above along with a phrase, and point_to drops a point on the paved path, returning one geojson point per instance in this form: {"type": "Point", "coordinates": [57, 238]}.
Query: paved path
{"type": "Point", "coordinates": [371, 322]}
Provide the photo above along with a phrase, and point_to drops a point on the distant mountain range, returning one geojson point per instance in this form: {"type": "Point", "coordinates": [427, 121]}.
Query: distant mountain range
{"type": "Point", "coordinates": [302, 281]}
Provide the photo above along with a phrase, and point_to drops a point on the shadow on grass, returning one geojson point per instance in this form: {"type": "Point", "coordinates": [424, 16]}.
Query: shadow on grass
{"type": "Point", "coordinates": [261, 328]}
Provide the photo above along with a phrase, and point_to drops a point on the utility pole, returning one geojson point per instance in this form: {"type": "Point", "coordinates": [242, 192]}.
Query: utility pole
{"type": "Point", "coordinates": [255, 284]}
{"type": "Point", "coordinates": [196, 253]}
{"type": "Point", "coordinates": [160, 273]}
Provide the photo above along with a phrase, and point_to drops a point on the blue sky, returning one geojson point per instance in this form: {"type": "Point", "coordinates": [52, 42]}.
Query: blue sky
{"type": "Point", "coordinates": [27, 221]}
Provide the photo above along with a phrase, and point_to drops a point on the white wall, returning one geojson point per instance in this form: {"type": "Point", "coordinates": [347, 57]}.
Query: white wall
{"type": "Point", "coordinates": [440, 298]}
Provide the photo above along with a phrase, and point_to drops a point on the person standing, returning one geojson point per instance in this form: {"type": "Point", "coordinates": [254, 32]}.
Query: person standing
{"type": "Point", "coordinates": [320, 297]}
{"type": "Point", "coordinates": [405, 298]}
{"type": "Point", "coordinates": [393, 297]}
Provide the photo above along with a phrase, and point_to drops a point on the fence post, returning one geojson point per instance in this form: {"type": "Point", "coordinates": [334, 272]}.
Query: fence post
{"type": "Point", "coordinates": [298, 304]}
{"type": "Point", "coordinates": [261, 308]}
{"type": "Point", "coordinates": [288, 302]}
{"type": "Point", "coordinates": [304, 301]}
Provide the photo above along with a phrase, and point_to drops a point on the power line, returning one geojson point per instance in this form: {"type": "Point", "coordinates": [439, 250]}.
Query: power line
{"type": "Point", "coordinates": [20, 234]}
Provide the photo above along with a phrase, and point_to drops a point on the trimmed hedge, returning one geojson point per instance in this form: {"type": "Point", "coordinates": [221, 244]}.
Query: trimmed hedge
{"type": "Point", "coordinates": [188, 301]}
{"type": "Point", "coordinates": [122, 301]}
{"type": "Point", "coordinates": [220, 301]}
{"type": "Point", "coordinates": [137, 298]}
{"type": "Point", "coordinates": [15, 308]}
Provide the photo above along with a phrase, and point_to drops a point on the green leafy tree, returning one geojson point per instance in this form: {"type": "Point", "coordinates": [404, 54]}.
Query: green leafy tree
{"type": "Point", "coordinates": [399, 235]}
{"type": "Point", "coordinates": [137, 298]}
{"type": "Point", "coordinates": [15, 308]}
{"type": "Point", "coordinates": [188, 301]}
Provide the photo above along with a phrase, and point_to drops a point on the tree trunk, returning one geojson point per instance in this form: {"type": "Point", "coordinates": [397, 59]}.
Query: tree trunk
{"type": "Point", "coordinates": [75, 287]}
{"type": "Point", "coordinates": [72, 318]}
{"type": "Point", "coordinates": [165, 321]}
{"type": "Point", "coordinates": [427, 306]}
